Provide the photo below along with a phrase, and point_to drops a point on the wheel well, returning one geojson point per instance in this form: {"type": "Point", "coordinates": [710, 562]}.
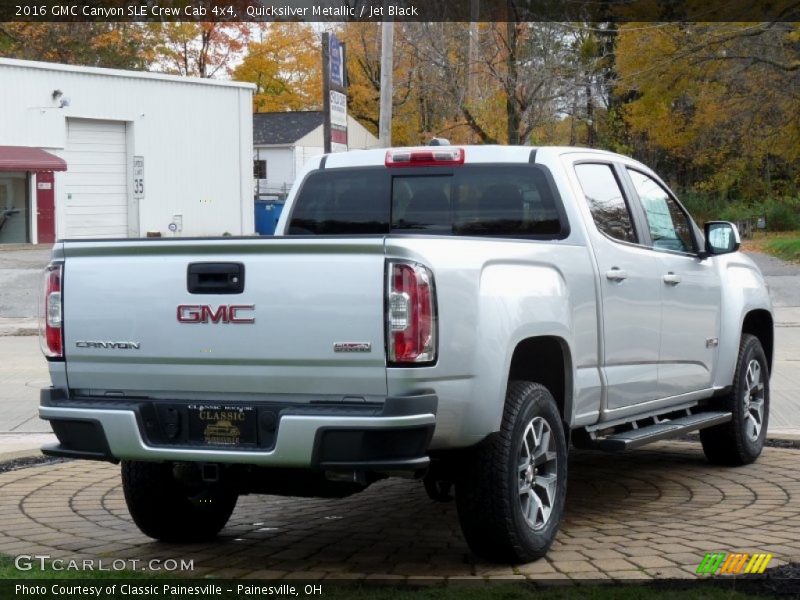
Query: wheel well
{"type": "Point", "coordinates": [759, 324]}
{"type": "Point", "coordinates": [545, 360]}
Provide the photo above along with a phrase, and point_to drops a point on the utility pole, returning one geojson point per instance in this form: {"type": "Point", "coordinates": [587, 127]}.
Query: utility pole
{"type": "Point", "coordinates": [326, 92]}
{"type": "Point", "coordinates": [472, 52]}
{"type": "Point", "coordinates": [387, 85]}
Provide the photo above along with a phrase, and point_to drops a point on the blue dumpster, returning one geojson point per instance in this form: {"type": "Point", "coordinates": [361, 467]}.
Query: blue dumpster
{"type": "Point", "coordinates": [267, 214]}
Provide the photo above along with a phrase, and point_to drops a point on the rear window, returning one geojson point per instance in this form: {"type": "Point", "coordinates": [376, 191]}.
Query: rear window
{"type": "Point", "coordinates": [474, 200]}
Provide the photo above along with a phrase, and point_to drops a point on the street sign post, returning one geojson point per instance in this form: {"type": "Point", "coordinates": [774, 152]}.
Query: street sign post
{"type": "Point", "coordinates": [334, 93]}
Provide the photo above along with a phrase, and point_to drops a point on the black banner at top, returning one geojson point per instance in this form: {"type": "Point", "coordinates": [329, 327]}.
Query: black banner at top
{"type": "Point", "coordinates": [400, 10]}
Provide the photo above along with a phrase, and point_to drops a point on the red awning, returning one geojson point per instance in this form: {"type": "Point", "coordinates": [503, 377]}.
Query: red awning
{"type": "Point", "coordinates": [22, 158]}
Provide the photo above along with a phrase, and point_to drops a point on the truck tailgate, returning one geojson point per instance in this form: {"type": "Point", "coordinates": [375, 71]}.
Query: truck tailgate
{"type": "Point", "coordinates": [123, 331]}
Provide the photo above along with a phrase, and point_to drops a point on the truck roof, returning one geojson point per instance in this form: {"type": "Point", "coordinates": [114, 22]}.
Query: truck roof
{"type": "Point", "coordinates": [472, 154]}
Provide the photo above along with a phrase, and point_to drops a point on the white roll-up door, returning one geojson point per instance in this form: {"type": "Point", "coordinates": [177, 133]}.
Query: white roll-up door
{"type": "Point", "coordinates": [96, 190]}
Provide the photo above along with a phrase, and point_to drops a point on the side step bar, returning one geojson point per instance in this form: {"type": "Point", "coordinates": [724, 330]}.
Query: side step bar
{"type": "Point", "coordinates": [636, 437]}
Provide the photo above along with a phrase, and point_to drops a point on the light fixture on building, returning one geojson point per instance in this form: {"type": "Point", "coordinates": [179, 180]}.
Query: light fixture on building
{"type": "Point", "coordinates": [59, 97]}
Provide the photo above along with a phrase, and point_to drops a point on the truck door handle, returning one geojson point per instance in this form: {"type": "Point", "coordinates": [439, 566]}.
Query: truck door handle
{"type": "Point", "coordinates": [215, 278]}
{"type": "Point", "coordinates": [616, 274]}
{"type": "Point", "coordinates": [671, 278]}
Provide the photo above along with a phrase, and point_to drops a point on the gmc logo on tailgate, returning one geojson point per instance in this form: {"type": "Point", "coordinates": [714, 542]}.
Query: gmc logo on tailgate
{"type": "Point", "coordinates": [240, 314]}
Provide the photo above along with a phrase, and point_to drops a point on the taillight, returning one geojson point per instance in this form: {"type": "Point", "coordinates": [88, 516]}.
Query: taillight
{"type": "Point", "coordinates": [51, 321]}
{"type": "Point", "coordinates": [410, 314]}
{"type": "Point", "coordinates": [428, 157]}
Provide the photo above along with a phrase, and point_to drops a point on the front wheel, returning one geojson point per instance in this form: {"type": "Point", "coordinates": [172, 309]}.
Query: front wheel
{"type": "Point", "coordinates": [740, 440]}
{"type": "Point", "coordinates": [170, 502]}
{"type": "Point", "coordinates": [511, 489]}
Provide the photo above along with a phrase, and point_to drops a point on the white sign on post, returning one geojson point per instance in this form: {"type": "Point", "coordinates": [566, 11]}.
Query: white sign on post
{"type": "Point", "coordinates": [138, 177]}
{"type": "Point", "coordinates": [338, 109]}
{"type": "Point", "coordinates": [338, 122]}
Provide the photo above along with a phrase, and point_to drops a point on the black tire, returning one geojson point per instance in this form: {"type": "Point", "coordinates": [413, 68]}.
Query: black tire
{"type": "Point", "coordinates": [488, 489]}
{"type": "Point", "coordinates": [170, 503]}
{"type": "Point", "coordinates": [734, 443]}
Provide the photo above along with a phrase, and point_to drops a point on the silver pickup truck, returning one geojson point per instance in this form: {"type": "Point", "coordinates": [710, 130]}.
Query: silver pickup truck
{"type": "Point", "coordinates": [459, 315]}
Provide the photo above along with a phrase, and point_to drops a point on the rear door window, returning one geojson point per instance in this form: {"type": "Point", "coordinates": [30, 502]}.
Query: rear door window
{"type": "Point", "coordinates": [474, 200]}
{"type": "Point", "coordinates": [610, 212]}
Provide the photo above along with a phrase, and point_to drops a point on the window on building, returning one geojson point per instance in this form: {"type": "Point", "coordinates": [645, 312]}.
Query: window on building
{"type": "Point", "coordinates": [259, 169]}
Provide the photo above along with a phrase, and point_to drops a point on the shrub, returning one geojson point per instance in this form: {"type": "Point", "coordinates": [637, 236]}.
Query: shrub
{"type": "Point", "coordinates": [783, 214]}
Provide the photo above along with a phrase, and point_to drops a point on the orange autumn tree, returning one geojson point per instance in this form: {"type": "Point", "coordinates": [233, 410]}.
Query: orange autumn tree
{"type": "Point", "coordinates": [198, 49]}
{"type": "Point", "coordinates": [363, 42]}
{"type": "Point", "coordinates": [718, 101]}
{"type": "Point", "coordinates": [285, 65]}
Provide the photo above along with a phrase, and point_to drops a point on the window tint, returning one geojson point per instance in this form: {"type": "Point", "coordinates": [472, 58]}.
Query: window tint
{"type": "Point", "coordinates": [603, 195]}
{"type": "Point", "coordinates": [670, 227]}
{"type": "Point", "coordinates": [478, 200]}
{"type": "Point", "coordinates": [496, 201]}
{"type": "Point", "coordinates": [422, 204]}
{"type": "Point", "coordinates": [343, 202]}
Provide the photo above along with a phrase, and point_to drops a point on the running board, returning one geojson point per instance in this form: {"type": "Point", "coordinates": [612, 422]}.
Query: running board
{"type": "Point", "coordinates": [634, 438]}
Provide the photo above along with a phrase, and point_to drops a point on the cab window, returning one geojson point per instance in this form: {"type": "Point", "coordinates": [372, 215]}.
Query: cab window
{"type": "Point", "coordinates": [609, 210]}
{"type": "Point", "coordinates": [670, 227]}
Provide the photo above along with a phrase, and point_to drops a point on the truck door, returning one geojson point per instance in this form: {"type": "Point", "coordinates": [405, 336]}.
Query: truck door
{"type": "Point", "coordinates": [690, 292]}
{"type": "Point", "coordinates": [629, 289]}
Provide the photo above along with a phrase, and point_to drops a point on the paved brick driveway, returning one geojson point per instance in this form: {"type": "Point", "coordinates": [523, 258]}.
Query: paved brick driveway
{"type": "Point", "coordinates": [645, 514]}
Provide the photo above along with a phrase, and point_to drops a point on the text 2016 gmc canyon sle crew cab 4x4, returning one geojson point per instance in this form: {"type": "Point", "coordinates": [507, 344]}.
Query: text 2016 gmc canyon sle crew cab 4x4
{"type": "Point", "coordinates": [459, 314]}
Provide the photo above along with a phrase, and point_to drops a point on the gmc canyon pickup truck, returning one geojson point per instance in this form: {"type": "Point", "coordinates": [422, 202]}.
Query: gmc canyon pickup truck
{"type": "Point", "coordinates": [460, 315]}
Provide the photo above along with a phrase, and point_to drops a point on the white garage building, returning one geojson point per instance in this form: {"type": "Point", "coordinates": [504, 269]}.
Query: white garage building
{"type": "Point", "coordinates": [96, 153]}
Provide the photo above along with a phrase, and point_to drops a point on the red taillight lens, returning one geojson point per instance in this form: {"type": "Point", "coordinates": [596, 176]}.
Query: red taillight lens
{"type": "Point", "coordinates": [428, 157]}
{"type": "Point", "coordinates": [50, 317]}
{"type": "Point", "coordinates": [410, 314]}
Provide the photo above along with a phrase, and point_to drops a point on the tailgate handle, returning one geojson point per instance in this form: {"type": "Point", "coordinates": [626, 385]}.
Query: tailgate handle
{"type": "Point", "coordinates": [215, 278]}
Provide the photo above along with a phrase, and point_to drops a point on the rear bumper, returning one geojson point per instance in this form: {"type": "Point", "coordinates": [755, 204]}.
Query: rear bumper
{"type": "Point", "coordinates": [392, 436]}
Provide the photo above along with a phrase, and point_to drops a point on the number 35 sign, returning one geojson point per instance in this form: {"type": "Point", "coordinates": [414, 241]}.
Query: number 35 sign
{"type": "Point", "coordinates": [138, 177]}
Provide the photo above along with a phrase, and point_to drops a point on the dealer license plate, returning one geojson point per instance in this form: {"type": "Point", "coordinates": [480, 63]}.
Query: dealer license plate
{"type": "Point", "coordinates": [222, 425]}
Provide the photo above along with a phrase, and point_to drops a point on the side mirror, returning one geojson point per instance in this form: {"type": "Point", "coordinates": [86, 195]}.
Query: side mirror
{"type": "Point", "coordinates": [722, 237]}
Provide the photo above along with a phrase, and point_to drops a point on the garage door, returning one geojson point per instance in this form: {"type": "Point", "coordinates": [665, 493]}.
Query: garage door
{"type": "Point", "coordinates": [96, 191]}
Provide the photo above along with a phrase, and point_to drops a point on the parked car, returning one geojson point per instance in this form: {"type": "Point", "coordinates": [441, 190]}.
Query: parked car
{"type": "Point", "coordinates": [454, 314]}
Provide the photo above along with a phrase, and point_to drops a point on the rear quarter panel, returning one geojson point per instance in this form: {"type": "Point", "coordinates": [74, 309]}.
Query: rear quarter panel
{"type": "Point", "coordinates": [493, 294]}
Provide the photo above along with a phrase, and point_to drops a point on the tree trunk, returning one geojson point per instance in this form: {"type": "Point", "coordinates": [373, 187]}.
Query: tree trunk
{"type": "Point", "coordinates": [512, 77]}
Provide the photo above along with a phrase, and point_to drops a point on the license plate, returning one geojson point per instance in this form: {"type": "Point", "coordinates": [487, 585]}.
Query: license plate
{"type": "Point", "coordinates": [221, 425]}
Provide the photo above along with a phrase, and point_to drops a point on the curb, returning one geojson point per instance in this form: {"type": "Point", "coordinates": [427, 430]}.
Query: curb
{"type": "Point", "coordinates": [10, 455]}
{"type": "Point", "coordinates": [15, 327]}
{"type": "Point", "coordinates": [14, 446]}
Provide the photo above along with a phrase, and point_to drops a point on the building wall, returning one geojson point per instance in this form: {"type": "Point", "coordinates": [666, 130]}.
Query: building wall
{"type": "Point", "coordinates": [280, 169]}
{"type": "Point", "coordinates": [284, 162]}
{"type": "Point", "coordinates": [359, 137]}
{"type": "Point", "coordinates": [195, 136]}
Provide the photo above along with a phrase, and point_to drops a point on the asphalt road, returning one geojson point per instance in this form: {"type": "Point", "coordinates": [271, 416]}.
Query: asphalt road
{"type": "Point", "coordinates": [783, 279]}
{"type": "Point", "coordinates": [20, 273]}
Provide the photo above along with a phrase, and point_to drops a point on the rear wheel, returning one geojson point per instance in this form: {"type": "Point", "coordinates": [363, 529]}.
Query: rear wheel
{"type": "Point", "coordinates": [170, 502]}
{"type": "Point", "coordinates": [510, 493]}
{"type": "Point", "coordinates": [740, 441]}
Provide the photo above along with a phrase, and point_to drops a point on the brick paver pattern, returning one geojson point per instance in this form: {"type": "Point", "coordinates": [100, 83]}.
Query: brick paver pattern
{"type": "Point", "coordinates": [651, 513]}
